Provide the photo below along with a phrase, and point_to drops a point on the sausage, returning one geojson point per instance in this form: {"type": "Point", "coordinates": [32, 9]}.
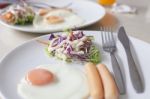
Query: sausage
{"type": "Point", "coordinates": [110, 88]}
{"type": "Point", "coordinates": [95, 82]}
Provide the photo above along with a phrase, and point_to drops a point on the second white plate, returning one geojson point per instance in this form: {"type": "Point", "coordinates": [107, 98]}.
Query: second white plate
{"type": "Point", "coordinates": [89, 11]}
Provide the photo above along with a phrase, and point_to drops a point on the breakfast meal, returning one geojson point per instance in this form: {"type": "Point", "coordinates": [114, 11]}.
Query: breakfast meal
{"type": "Point", "coordinates": [57, 19]}
{"type": "Point", "coordinates": [67, 81]}
{"type": "Point", "coordinates": [52, 18]}
{"type": "Point", "coordinates": [18, 14]}
{"type": "Point", "coordinates": [55, 81]}
{"type": "Point", "coordinates": [73, 45]}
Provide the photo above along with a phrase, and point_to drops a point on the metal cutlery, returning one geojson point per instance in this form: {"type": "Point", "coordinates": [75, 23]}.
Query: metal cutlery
{"type": "Point", "coordinates": [134, 74]}
{"type": "Point", "coordinates": [44, 5]}
{"type": "Point", "coordinates": [109, 45]}
{"type": "Point", "coordinates": [34, 4]}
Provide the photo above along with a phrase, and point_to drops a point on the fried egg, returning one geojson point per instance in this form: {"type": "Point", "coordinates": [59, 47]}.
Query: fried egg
{"type": "Point", "coordinates": [68, 83]}
{"type": "Point", "coordinates": [58, 19]}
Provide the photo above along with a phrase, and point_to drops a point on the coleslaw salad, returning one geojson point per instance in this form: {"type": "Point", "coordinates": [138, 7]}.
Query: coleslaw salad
{"type": "Point", "coordinates": [73, 45]}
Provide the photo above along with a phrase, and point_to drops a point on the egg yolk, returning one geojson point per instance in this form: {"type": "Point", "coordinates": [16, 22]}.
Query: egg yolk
{"type": "Point", "coordinates": [43, 12]}
{"type": "Point", "coordinates": [54, 19]}
{"type": "Point", "coordinates": [39, 77]}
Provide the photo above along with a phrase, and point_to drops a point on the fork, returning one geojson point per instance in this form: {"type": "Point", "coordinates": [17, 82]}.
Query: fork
{"type": "Point", "coordinates": [109, 45]}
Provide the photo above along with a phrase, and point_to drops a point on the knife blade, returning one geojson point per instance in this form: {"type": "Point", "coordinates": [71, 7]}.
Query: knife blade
{"type": "Point", "coordinates": [134, 73]}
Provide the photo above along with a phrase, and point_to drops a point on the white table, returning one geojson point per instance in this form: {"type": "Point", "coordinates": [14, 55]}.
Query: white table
{"type": "Point", "coordinates": [136, 26]}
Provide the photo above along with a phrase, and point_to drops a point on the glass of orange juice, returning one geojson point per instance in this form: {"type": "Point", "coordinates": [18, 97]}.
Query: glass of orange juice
{"type": "Point", "coordinates": [107, 2]}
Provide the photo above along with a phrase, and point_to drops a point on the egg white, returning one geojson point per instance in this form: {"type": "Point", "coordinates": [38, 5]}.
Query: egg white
{"type": "Point", "coordinates": [70, 83]}
{"type": "Point", "coordinates": [71, 20]}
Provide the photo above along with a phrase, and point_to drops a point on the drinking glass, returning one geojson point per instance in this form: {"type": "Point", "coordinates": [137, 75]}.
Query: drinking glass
{"type": "Point", "coordinates": [107, 2]}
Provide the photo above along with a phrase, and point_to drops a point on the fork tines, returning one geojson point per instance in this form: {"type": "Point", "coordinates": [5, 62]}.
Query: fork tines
{"type": "Point", "coordinates": [108, 41]}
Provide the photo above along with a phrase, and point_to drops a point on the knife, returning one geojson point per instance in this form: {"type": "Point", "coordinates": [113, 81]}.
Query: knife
{"type": "Point", "coordinates": [134, 74]}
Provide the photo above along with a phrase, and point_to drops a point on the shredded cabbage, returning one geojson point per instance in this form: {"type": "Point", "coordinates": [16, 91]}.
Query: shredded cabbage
{"type": "Point", "coordinates": [73, 46]}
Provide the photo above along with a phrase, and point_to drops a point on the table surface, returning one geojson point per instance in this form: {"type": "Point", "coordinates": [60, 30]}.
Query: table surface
{"type": "Point", "coordinates": [137, 25]}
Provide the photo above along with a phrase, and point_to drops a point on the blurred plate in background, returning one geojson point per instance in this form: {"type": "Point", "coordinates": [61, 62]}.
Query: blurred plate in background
{"type": "Point", "coordinates": [89, 11]}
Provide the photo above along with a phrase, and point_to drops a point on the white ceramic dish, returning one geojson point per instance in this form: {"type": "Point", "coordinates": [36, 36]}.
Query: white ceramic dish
{"type": "Point", "coordinates": [30, 54]}
{"type": "Point", "coordinates": [89, 11]}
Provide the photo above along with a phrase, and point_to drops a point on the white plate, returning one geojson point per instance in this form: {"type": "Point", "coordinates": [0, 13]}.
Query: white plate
{"type": "Point", "coordinates": [89, 11]}
{"type": "Point", "coordinates": [28, 55]}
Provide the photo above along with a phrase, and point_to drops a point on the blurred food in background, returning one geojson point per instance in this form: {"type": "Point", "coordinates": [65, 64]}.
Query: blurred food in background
{"type": "Point", "coordinates": [18, 14]}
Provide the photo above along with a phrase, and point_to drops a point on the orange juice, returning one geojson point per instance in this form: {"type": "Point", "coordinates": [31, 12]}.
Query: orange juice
{"type": "Point", "coordinates": [106, 2]}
